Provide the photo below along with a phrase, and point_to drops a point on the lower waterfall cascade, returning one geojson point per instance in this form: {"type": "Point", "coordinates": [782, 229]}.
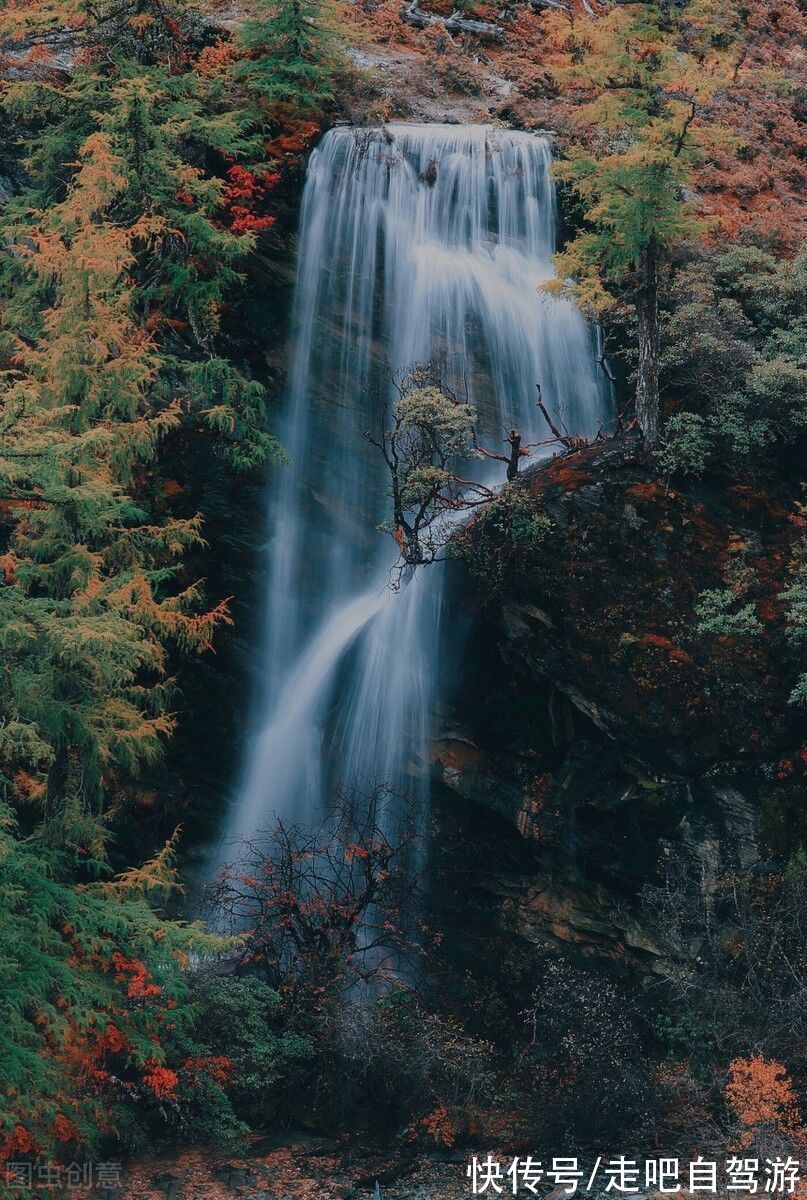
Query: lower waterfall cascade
{"type": "Point", "coordinates": [417, 244]}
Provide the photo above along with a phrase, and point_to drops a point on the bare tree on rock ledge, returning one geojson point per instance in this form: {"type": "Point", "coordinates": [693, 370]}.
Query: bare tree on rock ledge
{"type": "Point", "coordinates": [426, 438]}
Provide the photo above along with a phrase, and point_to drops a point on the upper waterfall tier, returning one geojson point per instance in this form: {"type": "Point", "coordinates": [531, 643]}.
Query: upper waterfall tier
{"type": "Point", "coordinates": [417, 243]}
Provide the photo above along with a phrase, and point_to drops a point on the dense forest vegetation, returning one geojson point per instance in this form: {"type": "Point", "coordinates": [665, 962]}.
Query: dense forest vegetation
{"type": "Point", "coordinates": [147, 150]}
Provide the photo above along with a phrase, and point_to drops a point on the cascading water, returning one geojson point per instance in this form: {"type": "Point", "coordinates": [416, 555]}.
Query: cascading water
{"type": "Point", "coordinates": [421, 244]}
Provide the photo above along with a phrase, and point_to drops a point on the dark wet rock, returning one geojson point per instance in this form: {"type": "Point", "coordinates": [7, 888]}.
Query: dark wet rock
{"type": "Point", "coordinates": [234, 1174]}
{"type": "Point", "coordinates": [597, 720]}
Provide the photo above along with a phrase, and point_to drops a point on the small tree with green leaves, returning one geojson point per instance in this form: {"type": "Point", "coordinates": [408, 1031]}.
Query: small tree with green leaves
{"type": "Point", "coordinates": [429, 434]}
{"type": "Point", "coordinates": [429, 438]}
{"type": "Point", "coordinates": [719, 614]}
{"type": "Point", "coordinates": [685, 446]}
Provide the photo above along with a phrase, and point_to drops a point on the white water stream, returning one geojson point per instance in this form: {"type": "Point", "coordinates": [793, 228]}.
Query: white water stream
{"type": "Point", "coordinates": [427, 243]}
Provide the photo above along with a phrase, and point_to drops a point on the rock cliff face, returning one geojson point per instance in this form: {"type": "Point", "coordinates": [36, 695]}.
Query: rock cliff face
{"type": "Point", "coordinates": [597, 720]}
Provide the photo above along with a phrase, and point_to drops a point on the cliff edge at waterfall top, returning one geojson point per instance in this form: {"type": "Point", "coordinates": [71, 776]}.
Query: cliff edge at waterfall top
{"type": "Point", "coordinates": [403, 594]}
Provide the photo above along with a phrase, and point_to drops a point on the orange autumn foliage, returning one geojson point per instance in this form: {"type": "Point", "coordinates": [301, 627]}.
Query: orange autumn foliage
{"type": "Point", "coordinates": [65, 1129]}
{"type": "Point", "coordinates": [295, 138]}
{"type": "Point", "coordinates": [17, 1144]}
{"type": "Point", "coordinates": [760, 1093]}
{"type": "Point", "coordinates": [753, 176]}
{"type": "Point", "coordinates": [136, 976]}
{"type": "Point", "coordinates": [112, 1040]}
{"type": "Point", "coordinates": [162, 1081]}
{"type": "Point", "coordinates": [660, 642]}
{"type": "Point", "coordinates": [27, 788]}
{"type": "Point", "coordinates": [747, 79]}
{"type": "Point", "coordinates": [245, 197]}
{"type": "Point", "coordinates": [216, 1067]}
{"type": "Point", "coordinates": [215, 59]}
{"type": "Point", "coordinates": [440, 1127]}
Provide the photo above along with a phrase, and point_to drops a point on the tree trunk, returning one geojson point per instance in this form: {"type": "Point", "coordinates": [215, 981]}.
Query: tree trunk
{"type": "Point", "coordinates": [647, 398]}
{"type": "Point", "coordinates": [515, 454]}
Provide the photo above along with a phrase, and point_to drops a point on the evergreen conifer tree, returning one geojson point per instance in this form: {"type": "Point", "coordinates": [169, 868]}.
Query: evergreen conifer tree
{"type": "Point", "coordinates": [642, 74]}
{"type": "Point", "coordinates": [291, 54]}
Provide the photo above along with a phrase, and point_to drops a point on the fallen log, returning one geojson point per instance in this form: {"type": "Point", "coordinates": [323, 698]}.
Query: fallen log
{"type": "Point", "coordinates": [456, 23]}
{"type": "Point", "coordinates": [536, 5]}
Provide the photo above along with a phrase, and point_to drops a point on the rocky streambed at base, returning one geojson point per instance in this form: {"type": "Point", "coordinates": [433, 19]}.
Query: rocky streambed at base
{"type": "Point", "coordinates": [301, 1168]}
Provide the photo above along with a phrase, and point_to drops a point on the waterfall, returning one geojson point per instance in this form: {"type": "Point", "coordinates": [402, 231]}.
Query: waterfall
{"type": "Point", "coordinates": [418, 243]}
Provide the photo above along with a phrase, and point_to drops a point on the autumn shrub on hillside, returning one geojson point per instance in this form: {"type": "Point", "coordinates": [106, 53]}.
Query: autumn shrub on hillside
{"type": "Point", "coordinates": [760, 1095]}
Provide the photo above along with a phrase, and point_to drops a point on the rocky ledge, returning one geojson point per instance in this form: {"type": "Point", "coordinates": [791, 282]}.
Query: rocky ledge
{"type": "Point", "coordinates": [599, 718]}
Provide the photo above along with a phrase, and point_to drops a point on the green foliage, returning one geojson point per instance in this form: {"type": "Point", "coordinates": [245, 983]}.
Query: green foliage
{"type": "Point", "coordinates": [235, 411]}
{"type": "Point", "coordinates": [718, 614]}
{"type": "Point", "coordinates": [291, 54]}
{"type": "Point", "coordinates": [502, 543]}
{"type": "Point", "coordinates": [85, 971]}
{"type": "Point", "coordinates": [633, 203]}
{"type": "Point", "coordinates": [200, 1115]}
{"type": "Point", "coordinates": [794, 598]}
{"type": "Point", "coordinates": [736, 338]}
{"type": "Point", "coordinates": [240, 1019]}
{"type": "Point", "coordinates": [126, 241]}
{"type": "Point", "coordinates": [685, 446]}
{"type": "Point", "coordinates": [232, 1063]}
{"type": "Point", "coordinates": [796, 869]}
{"type": "Point", "coordinates": [429, 418]}
{"type": "Point", "coordinates": [683, 1038]}
{"type": "Point", "coordinates": [709, 347]}
{"type": "Point", "coordinates": [430, 434]}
